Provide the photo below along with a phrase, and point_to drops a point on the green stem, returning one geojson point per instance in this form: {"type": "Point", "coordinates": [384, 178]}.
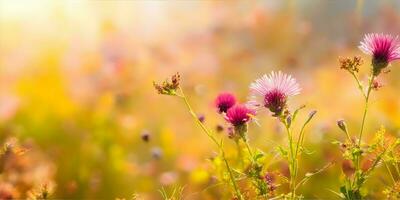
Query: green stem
{"type": "Point", "coordinates": [390, 172]}
{"type": "Point", "coordinates": [359, 84]}
{"type": "Point", "coordinates": [292, 162]}
{"type": "Point", "coordinates": [397, 169]}
{"type": "Point", "coordinates": [298, 145]}
{"type": "Point", "coordinates": [239, 152]}
{"type": "Point", "coordinates": [248, 148]}
{"type": "Point", "coordinates": [371, 78]}
{"type": "Point", "coordinates": [365, 108]}
{"type": "Point", "coordinates": [193, 114]}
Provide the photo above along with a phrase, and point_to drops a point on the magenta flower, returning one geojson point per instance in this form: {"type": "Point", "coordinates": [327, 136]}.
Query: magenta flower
{"type": "Point", "coordinates": [239, 115]}
{"type": "Point", "coordinates": [272, 91]}
{"type": "Point", "coordinates": [383, 49]}
{"type": "Point", "coordinates": [224, 101]}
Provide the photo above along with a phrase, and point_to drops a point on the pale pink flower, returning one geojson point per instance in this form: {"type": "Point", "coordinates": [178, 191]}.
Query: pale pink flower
{"type": "Point", "coordinates": [272, 91]}
{"type": "Point", "coordinates": [383, 49]}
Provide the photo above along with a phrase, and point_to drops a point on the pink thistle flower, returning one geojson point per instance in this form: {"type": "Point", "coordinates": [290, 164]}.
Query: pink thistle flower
{"type": "Point", "coordinates": [239, 115]}
{"type": "Point", "coordinates": [224, 101]}
{"type": "Point", "coordinates": [383, 49]}
{"type": "Point", "coordinates": [272, 91]}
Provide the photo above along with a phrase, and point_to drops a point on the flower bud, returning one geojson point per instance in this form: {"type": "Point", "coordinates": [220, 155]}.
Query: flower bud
{"type": "Point", "coordinates": [376, 84]}
{"type": "Point", "coordinates": [311, 115]}
{"type": "Point", "coordinates": [289, 120]}
{"type": "Point", "coordinates": [201, 118]}
{"type": "Point", "coordinates": [145, 136]}
{"type": "Point", "coordinates": [342, 125]}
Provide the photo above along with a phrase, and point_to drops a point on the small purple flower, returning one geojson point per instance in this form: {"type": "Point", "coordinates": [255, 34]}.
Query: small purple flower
{"type": "Point", "coordinates": [239, 115]}
{"type": "Point", "coordinates": [272, 91]}
{"type": "Point", "coordinates": [224, 101]}
{"type": "Point", "coordinates": [383, 49]}
{"type": "Point", "coordinates": [201, 118]}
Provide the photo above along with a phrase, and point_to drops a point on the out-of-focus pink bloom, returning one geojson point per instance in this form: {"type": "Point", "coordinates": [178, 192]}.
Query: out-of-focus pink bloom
{"type": "Point", "coordinates": [224, 101]}
{"type": "Point", "coordinates": [239, 115]}
{"type": "Point", "coordinates": [383, 49]}
{"type": "Point", "coordinates": [272, 91]}
{"type": "Point", "coordinates": [8, 107]}
{"type": "Point", "coordinates": [168, 178]}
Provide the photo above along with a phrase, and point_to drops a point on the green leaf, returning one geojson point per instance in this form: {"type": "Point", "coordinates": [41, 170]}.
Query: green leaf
{"type": "Point", "coordinates": [258, 156]}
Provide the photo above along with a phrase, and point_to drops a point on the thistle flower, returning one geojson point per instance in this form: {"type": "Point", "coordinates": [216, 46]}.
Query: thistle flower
{"type": "Point", "coordinates": [272, 91]}
{"type": "Point", "coordinates": [224, 101]}
{"type": "Point", "coordinates": [383, 49]}
{"type": "Point", "coordinates": [239, 115]}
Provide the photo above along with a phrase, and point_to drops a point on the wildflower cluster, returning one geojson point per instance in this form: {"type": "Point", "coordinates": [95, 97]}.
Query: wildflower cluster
{"type": "Point", "coordinates": [272, 92]}
{"type": "Point", "coordinates": [360, 158]}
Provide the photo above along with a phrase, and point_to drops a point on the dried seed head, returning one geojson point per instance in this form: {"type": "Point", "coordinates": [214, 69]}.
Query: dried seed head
{"type": "Point", "coordinates": [351, 64]}
{"type": "Point", "coordinates": [168, 87]}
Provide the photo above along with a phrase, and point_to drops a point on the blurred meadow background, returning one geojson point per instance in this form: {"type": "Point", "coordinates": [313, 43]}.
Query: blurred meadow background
{"type": "Point", "coordinates": [76, 89]}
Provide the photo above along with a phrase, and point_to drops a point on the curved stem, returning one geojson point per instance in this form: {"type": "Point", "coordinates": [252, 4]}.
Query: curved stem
{"type": "Point", "coordinates": [208, 132]}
